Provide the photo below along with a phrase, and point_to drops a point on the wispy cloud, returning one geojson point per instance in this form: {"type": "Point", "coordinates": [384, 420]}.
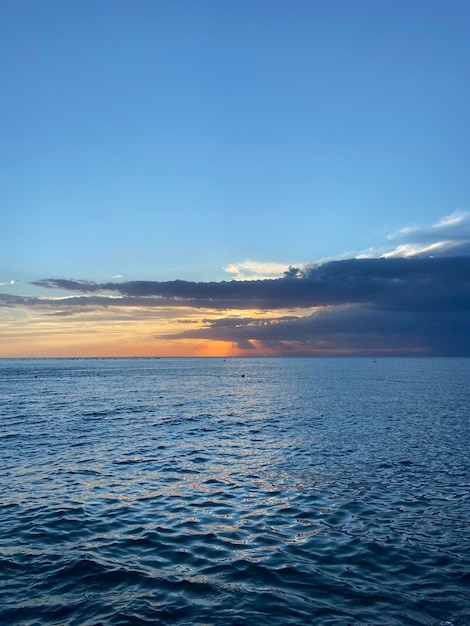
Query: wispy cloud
{"type": "Point", "coordinates": [8, 282]}
{"type": "Point", "coordinates": [256, 270]}
{"type": "Point", "coordinates": [457, 218]}
{"type": "Point", "coordinates": [421, 249]}
{"type": "Point", "coordinates": [448, 236]}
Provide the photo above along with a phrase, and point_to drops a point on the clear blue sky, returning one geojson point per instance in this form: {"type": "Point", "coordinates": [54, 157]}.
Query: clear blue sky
{"type": "Point", "coordinates": [168, 139]}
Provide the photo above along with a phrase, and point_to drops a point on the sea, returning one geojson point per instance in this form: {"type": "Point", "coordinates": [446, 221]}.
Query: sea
{"type": "Point", "coordinates": [238, 491]}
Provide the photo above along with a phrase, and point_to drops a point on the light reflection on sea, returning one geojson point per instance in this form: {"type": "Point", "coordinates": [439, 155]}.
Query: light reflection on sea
{"type": "Point", "coordinates": [326, 491]}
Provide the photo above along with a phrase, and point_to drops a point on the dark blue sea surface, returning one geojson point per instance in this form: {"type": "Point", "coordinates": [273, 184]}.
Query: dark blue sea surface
{"type": "Point", "coordinates": [326, 491]}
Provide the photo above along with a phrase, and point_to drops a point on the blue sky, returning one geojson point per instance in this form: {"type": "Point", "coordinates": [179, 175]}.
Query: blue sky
{"type": "Point", "coordinates": [164, 140]}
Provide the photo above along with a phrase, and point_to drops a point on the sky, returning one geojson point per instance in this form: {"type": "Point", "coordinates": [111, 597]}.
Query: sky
{"type": "Point", "coordinates": [234, 177]}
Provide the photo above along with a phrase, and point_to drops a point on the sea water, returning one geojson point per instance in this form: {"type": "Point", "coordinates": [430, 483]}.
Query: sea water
{"type": "Point", "coordinates": [326, 491]}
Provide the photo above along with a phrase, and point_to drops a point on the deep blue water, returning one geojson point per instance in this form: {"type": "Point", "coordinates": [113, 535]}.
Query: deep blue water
{"type": "Point", "coordinates": [240, 491]}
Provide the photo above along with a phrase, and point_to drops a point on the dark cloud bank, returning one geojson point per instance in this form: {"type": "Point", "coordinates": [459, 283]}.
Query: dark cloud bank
{"type": "Point", "coordinates": [393, 305]}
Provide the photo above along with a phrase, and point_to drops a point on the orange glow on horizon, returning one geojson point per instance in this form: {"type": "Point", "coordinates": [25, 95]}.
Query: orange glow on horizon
{"type": "Point", "coordinates": [67, 346]}
{"type": "Point", "coordinates": [147, 333]}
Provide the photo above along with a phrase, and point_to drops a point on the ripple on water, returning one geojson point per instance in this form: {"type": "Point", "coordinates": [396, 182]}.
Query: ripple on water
{"type": "Point", "coordinates": [206, 503]}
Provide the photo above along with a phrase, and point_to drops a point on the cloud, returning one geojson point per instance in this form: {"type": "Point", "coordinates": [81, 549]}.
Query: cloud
{"type": "Point", "coordinates": [8, 282]}
{"type": "Point", "coordinates": [251, 270]}
{"type": "Point", "coordinates": [379, 306]}
{"type": "Point", "coordinates": [60, 314]}
{"type": "Point", "coordinates": [457, 218]}
{"type": "Point", "coordinates": [349, 329]}
{"type": "Point", "coordinates": [84, 302]}
{"type": "Point", "coordinates": [439, 248]}
{"type": "Point", "coordinates": [448, 236]}
{"type": "Point", "coordinates": [414, 299]}
{"type": "Point", "coordinates": [415, 283]}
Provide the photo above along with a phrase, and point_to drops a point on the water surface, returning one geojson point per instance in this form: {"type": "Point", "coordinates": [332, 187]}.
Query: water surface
{"type": "Point", "coordinates": [239, 491]}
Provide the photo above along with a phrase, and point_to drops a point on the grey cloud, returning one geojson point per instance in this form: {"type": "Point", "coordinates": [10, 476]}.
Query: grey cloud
{"type": "Point", "coordinates": [351, 328]}
{"type": "Point", "coordinates": [414, 284]}
{"type": "Point", "coordinates": [84, 286]}
{"type": "Point", "coordinates": [89, 302]}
